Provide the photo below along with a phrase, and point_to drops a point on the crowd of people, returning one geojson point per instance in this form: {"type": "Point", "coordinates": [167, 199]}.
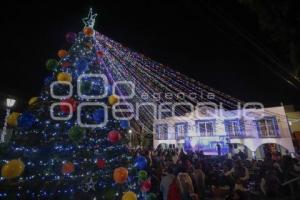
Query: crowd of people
{"type": "Point", "coordinates": [178, 175]}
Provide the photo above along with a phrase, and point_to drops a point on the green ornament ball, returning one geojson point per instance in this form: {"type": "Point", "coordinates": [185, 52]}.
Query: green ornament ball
{"type": "Point", "coordinates": [142, 175]}
{"type": "Point", "coordinates": [85, 87]}
{"type": "Point", "coordinates": [51, 64]}
{"type": "Point", "coordinates": [76, 133]}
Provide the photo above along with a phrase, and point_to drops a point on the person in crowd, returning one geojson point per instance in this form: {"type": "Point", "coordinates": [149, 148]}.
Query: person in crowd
{"type": "Point", "coordinates": [166, 181]}
{"type": "Point", "coordinates": [219, 149]}
{"type": "Point", "coordinates": [220, 188]}
{"type": "Point", "coordinates": [179, 175]}
{"type": "Point", "coordinates": [198, 178]}
{"type": "Point", "coordinates": [186, 186]}
{"type": "Point", "coordinates": [270, 184]}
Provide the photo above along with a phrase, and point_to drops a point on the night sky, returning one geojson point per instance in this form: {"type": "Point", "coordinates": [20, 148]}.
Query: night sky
{"type": "Point", "coordinates": [197, 39]}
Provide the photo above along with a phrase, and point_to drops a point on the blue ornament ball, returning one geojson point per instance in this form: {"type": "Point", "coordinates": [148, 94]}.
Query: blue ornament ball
{"type": "Point", "coordinates": [99, 115]}
{"type": "Point", "coordinates": [124, 124]}
{"type": "Point", "coordinates": [140, 162]}
{"type": "Point", "coordinates": [26, 120]}
{"type": "Point", "coordinates": [81, 65]}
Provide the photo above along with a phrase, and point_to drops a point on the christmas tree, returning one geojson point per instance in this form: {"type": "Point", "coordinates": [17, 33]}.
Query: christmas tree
{"type": "Point", "coordinates": [68, 144]}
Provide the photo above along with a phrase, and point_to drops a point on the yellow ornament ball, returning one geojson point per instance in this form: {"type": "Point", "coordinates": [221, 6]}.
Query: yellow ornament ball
{"type": "Point", "coordinates": [12, 169]}
{"type": "Point", "coordinates": [63, 76]}
{"type": "Point", "coordinates": [12, 119]}
{"type": "Point", "coordinates": [88, 31]}
{"type": "Point", "coordinates": [62, 53]}
{"type": "Point", "coordinates": [32, 100]}
{"type": "Point", "coordinates": [129, 196]}
{"type": "Point", "coordinates": [113, 99]}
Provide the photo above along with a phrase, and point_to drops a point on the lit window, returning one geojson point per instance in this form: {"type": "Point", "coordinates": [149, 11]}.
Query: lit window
{"type": "Point", "coordinates": [234, 128]}
{"type": "Point", "coordinates": [181, 130]}
{"type": "Point", "coordinates": [206, 128]}
{"type": "Point", "coordinates": [267, 127]}
{"type": "Point", "coordinates": [162, 132]}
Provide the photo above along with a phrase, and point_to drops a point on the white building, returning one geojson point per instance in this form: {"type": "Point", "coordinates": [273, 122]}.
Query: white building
{"type": "Point", "coordinates": [252, 131]}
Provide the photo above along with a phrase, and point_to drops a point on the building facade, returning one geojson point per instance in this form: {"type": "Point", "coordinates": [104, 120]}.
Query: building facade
{"type": "Point", "coordinates": [253, 131]}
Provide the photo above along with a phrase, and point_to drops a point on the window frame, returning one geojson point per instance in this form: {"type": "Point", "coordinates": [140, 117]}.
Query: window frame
{"type": "Point", "coordinates": [185, 134]}
{"type": "Point", "coordinates": [158, 134]}
{"type": "Point", "coordinates": [240, 124]}
{"type": "Point", "coordinates": [274, 125]}
{"type": "Point", "coordinates": [205, 122]}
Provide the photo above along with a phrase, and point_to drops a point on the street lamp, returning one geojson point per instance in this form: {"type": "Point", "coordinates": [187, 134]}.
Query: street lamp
{"type": "Point", "coordinates": [9, 104]}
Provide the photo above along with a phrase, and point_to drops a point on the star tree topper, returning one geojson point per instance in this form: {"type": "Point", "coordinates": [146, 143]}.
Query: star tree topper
{"type": "Point", "coordinates": [89, 21]}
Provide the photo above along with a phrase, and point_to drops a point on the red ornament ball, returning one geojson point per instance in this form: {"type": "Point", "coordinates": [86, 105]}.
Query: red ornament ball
{"type": "Point", "coordinates": [101, 163]}
{"type": "Point", "coordinates": [100, 53]}
{"type": "Point", "coordinates": [146, 185]}
{"type": "Point", "coordinates": [68, 105]}
{"type": "Point", "coordinates": [66, 64]}
{"type": "Point", "coordinates": [114, 136]}
{"type": "Point", "coordinates": [67, 168]}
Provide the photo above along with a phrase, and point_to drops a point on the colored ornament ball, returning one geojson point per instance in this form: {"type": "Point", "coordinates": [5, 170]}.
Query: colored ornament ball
{"type": "Point", "coordinates": [140, 162]}
{"type": "Point", "coordinates": [100, 53]}
{"type": "Point", "coordinates": [129, 196]}
{"type": "Point", "coordinates": [76, 133]}
{"type": "Point", "coordinates": [101, 163]}
{"type": "Point", "coordinates": [81, 65]}
{"type": "Point", "coordinates": [68, 105]}
{"type": "Point", "coordinates": [86, 87]}
{"type": "Point", "coordinates": [63, 76]}
{"type": "Point", "coordinates": [113, 99]}
{"type": "Point", "coordinates": [51, 64]}
{"type": "Point", "coordinates": [88, 31]}
{"type": "Point", "coordinates": [71, 37]}
{"type": "Point", "coordinates": [120, 175]}
{"type": "Point", "coordinates": [142, 175]}
{"type": "Point", "coordinates": [66, 64]}
{"type": "Point", "coordinates": [32, 101]}
{"type": "Point", "coordinates": [26, 120]}
{"type": "Point", "coordinates": [12, 119]}
{"type": "Point", "coordinates": [124, 124]}
{"type": "Point", "coordinates": [114, 136]}
{"type": "Point", "coordinates": [146, 185]}
{"type": "Point", "coordinates": [99, 115]}
{"type": "Point", "coordinates": [62, 53]}
{"type": "Point", "coordinates": [67, 168]}
{"type": "Point", "coordinates": [12, 169]}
